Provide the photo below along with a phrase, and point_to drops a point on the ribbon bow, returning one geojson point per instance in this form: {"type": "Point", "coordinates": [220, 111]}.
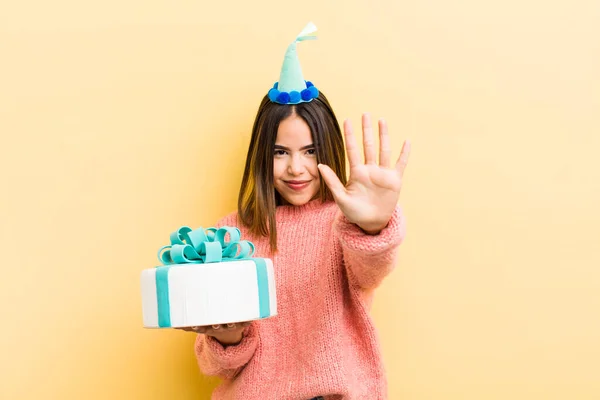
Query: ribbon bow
{"type": "Point", "coordinates": [205, 246]}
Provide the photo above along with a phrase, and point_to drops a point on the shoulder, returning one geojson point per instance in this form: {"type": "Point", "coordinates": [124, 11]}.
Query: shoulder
{"type": "Point", "coordinates": [230, 219]}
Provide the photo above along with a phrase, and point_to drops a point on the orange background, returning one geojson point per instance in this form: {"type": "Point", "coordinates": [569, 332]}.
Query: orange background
{"type": "Point", "coordinates": [121, 121]}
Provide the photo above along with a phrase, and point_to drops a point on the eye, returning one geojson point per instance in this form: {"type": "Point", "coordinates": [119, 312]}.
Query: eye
{"type": "Point", "coordinates": [311, 152]}
{"type": "Point", "coordinates": [279, 152]}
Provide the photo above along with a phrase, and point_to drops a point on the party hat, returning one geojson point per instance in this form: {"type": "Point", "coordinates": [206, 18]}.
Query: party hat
{"type": "Point", "coordinates": [292, 88]}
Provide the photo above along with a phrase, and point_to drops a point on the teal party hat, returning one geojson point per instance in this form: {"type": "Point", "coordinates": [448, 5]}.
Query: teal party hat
{"type": "Point", "coordinates": [292, 88]}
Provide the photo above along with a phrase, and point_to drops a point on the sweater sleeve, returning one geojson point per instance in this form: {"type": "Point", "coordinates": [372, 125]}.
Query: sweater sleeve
{"type": "Point", "coordinates": [226, 362]}
{"type": "Point", "coordinates": [370, 258]}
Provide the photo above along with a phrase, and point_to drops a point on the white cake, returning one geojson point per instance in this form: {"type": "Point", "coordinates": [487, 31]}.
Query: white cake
{"type": "Point", "coordinates": [198, 293]}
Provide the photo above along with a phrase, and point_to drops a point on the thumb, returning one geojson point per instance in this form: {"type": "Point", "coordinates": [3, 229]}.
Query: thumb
{"type": "Point", "coordinates": [332, 181]}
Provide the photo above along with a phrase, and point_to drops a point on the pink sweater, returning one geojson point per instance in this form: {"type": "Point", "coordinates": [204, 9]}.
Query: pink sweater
{"type": "Point", "coordinates": [323, 341]}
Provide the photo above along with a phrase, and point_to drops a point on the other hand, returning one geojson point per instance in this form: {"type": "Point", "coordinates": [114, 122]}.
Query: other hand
{"type": "Point", "coordinates": [371, 194]}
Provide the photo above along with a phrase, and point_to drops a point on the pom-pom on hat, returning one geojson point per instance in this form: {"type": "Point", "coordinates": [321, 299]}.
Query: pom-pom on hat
{"type": "Point", "coordinates": [292, 88]}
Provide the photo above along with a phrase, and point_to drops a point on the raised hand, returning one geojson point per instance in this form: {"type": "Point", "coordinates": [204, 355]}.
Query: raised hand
{"type": "Point", "coordinates": [372, 191]}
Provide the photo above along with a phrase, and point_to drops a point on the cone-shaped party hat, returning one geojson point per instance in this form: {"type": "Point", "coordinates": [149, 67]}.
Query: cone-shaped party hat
{"type": "Point", "coordinates": [292, 88]}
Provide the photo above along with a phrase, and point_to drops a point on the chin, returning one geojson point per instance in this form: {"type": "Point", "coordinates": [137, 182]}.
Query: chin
{"type": "Point", "coordinates": [297, 200]}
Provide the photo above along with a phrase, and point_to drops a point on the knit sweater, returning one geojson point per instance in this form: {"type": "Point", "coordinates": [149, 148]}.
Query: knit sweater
{"type": "Point", "coordinates": [323, 341]}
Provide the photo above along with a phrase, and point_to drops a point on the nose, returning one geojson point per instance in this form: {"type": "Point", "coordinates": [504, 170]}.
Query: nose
{"type": "Point", "coordinates": [295, 165]}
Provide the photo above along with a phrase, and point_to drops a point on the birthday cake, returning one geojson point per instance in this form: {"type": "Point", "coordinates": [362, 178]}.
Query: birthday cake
{"type": "Point", "coordinates": [207, 277]}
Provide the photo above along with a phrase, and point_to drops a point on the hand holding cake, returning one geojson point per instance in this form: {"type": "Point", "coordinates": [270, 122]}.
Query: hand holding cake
{"type": "Point", "coordinates": [226, 334]}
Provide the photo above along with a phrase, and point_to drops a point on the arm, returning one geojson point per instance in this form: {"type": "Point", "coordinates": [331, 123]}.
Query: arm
{"type": "Point", "coordinates": [226, 362]}
{"type": "Point", "coordinates": [370, 226]}
{"type": "Point", "coordinates": [370, 258]}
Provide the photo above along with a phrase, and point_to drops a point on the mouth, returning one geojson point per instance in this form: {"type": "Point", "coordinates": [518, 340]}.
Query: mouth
{"type": "Point", "coordinates": [297, 185]}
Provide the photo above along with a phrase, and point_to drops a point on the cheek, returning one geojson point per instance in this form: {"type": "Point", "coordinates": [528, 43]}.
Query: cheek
{"type": "Point", "coordinates": [278, 168]}
{"type": "Point", "coordinates": [313, 169]}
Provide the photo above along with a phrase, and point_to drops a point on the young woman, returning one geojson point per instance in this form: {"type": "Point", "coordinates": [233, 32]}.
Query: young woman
{"type": "Point", "coordinates": [332, 241]}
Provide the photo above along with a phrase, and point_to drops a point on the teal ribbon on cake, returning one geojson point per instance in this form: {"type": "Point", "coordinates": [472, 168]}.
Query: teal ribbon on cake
{"type": "Point", "coordinates": [202, 246]}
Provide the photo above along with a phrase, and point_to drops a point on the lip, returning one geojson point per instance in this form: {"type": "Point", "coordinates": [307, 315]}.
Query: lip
{"type": "Point", "coordinates": [297, 185]}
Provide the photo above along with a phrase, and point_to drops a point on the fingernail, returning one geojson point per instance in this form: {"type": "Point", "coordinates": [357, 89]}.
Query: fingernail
{"type": "Point", "coordinates": [215, 327]}
{"type": "Point", "coordinates": [230, 325]}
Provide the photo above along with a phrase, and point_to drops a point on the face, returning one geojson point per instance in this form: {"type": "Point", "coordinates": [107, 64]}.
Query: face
{"type": "Point", "coordinates": [296, 175]}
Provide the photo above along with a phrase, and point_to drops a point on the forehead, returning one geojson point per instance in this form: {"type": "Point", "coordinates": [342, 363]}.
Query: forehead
{"type": "Point", "coordinates": [293, 132]}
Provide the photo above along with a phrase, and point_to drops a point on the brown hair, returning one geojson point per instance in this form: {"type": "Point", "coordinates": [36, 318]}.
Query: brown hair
{"type": "Point", "coordinates": [258, 198]}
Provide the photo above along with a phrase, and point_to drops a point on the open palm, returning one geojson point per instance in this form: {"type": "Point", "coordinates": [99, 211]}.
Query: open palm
{"type": "Point", "coordinates": [371, 194]}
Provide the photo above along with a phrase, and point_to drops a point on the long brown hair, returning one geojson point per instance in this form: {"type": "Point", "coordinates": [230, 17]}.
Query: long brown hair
{"type": "Point", "coordinates": [258, 199]}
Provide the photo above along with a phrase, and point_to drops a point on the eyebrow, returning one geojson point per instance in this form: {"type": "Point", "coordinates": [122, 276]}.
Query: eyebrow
{"type": "Point", "coordinates": [309, 146]}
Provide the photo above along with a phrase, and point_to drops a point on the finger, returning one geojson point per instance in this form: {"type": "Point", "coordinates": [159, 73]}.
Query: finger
{"type": "Point", "coordinates": [332, 181]}
{"type": "Point", "coordinates": [403, 159]}
{"type": "Point", "coordinates": [216, 327]}
{"type": "Point", "coordinates": [351, 147]}
{"type": "Point", "coordinates": [231, 326]}
{"type": "Point", "coordinates": [247, 323]}
{"type": "Point", "coordinates": [199, 329]}
{"type": "Point", "coordinates": [368, 141]}
{"type": "Point", "coordinates": [384, 144]}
